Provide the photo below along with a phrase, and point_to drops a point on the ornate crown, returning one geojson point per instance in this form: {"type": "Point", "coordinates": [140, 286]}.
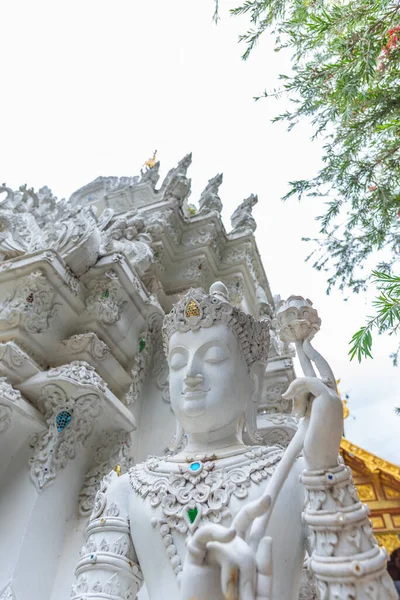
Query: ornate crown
{"type": "Point", "coordinates": [197, 309]}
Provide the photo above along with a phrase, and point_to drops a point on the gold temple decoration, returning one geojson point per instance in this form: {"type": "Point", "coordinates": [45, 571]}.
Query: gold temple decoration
{"type": "Point", "coordinates": [378, 483]}
{"type": "Point", "coordinates": [192, 309]}
{"type": "Point", "coordinates": [366, 492]}
{"type": "Point", "coordinates": [151, 161]}
{"type": "Point", "coordinates": [373, 463]}
{"type": "Point", "coordinates": [118, 471]}
{"type": "Point", "coordinates": [390, 541]}
{"type": "Point", "coordinates": [346, 410]}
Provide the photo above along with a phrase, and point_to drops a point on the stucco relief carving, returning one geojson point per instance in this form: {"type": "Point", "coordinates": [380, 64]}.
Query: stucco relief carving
{"type": "Point", "coordinates": [33, 220]}
{"type": "Point", "coordinates": [205, 234]}
{"type": "Point", "coordinates": [31, 306]}
{"type": "Point", "coordinates": [195, 272]}
{"type": "Point", "coordinates": [52, 450]}
{"type": "Point", "coordinates": [7, 391]}
{"type": "Point", "coordinates": [12, 355]}
{"type": "Point", "coordinates": [235, 289]}
{"type": "Point", "coordinates": [272, 396]}
{"type": "Point", "coordinates": [129, 235]}
{"type": "Point", "coordinates": [5, 418]}
{"type": "Point", "coordinates": [149, 357]}
{"type": "Point", "coordinates": [141, 363]}
{"type": "Point", "coordinates": [163, 221]}
{"type": "Point", "coordinates": [86, 342]}
{"type": "Point", "coordinates": [106, 298]}
{"type": "Point", "coordinates": [81, 372]}
{"type": "Point", "coordinates": [112, 452]}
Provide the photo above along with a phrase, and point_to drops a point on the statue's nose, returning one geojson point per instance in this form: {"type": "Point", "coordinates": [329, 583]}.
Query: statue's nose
{"type": "Point", "coordinates": [193, 380]}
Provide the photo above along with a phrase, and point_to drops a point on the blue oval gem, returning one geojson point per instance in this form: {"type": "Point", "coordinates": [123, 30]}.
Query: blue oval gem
{"type": "Point", "coordinates": [63, 419]}
{"type": "Point", "coordinates": [195, 466]}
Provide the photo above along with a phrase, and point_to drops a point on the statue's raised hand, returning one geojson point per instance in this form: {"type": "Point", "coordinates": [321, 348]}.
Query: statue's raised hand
{"type": "Point", "coordinates": [221, 565]}
{"type": "Point", "coordinates": [322, 410]}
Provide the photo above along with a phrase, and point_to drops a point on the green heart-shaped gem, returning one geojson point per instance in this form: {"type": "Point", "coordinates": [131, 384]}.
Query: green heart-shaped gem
{"type": "Point", "coordinates": [192, 514]}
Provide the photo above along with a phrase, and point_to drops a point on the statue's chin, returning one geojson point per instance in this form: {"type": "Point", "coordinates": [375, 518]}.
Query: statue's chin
{"type": "Point", "coordinates": [194, 407]}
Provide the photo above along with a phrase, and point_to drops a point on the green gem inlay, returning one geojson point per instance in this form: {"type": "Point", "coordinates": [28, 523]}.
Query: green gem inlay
{"type": "Point", "coordinates": [192, 514]}
{"type": "Point", "coordinates": [106, 293]}
{"type": "Point", "coordinates": [142, 345]}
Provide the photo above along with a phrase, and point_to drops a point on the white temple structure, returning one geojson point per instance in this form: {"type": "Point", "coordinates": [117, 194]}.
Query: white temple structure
{"type": "Point", "coordinates": [85, 284]}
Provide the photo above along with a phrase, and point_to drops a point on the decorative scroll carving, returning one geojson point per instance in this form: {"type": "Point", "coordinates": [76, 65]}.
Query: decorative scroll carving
{"type": "Point", "coordinates": [106, 298]}
{"type": "Point", "coordinates": [32, 221]}
{"type": "Point", "coordinates": [129, 235]}
{"type": "Point", "coordinates": [149, 356]}
{"type": "Point", "coordinates": [86, 342]}
{"type": "Point", "coordinates": [165, 221]}
{"type": "Point", "coordinates": [52, 450]}
{"type": "Point", "coordinates": [235, 289]}
{"type": "Point", "coordinates": [81, 372]}
{"type": "Point", "coordinates": [5, 418]}
{"type": "Point", "coordinates": [31, 306]}
{"type": "Point", "coordinates": [272, 396]}
{"type": "Point", "coordinates": [113, 452]}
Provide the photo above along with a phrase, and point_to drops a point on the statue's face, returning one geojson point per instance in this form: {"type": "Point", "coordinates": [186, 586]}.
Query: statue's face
{"type": "Point", "coordinates": [209, 381]}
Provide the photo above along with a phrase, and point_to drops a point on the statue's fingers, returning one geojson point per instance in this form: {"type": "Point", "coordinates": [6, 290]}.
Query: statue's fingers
{"type": "Point", "coordinates": [247, 580]}
{"type": "Point", "coordinates": [303, 385]}
{"type": "Point", "coordinates": [264, 569]}
{"type": "Point", "coordinates": [229, 580]}
{"type": "Point", "coordinates": [197, 544]}
{"type": "Point", "coordinates": [246, 515]}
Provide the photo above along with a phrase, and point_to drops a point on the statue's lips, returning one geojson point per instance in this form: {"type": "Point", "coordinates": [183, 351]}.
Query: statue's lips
{"type": "Point", "coordinates": [197, 393]}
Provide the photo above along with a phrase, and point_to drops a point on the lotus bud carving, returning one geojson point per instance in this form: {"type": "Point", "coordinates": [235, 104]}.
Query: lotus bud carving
{"type": "Point", "coordinates": [297, 320]}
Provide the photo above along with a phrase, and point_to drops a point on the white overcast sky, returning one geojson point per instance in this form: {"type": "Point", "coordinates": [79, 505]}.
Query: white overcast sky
{"type": "Point", "coordinates": [91, 87]}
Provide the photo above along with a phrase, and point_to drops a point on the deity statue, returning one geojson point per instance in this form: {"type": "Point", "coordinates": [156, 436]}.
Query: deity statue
{"type": "Point", "coordinates": [218, 519]}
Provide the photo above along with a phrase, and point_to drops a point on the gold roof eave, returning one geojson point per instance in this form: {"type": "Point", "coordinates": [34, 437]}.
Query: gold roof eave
{"type": "Point", "coordinates": [373, 463]}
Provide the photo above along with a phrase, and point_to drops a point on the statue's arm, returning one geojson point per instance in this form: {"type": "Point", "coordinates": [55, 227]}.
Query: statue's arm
{"type": "Point", "coordinates": [108, 566]}
{"type": "Point", "coordinates": [345, 557]}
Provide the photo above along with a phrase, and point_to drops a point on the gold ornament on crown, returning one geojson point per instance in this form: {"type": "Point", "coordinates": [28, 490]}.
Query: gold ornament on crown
{"type": "Point", "coordinates": [192, 309]}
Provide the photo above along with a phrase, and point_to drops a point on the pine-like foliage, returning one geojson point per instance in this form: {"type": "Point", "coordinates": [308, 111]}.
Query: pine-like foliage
{"type": "Point", "coordinates": [346, 79]}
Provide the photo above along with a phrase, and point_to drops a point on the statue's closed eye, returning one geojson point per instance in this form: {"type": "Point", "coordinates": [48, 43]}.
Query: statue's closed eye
{"type": "Point", "coordinates": [178, 360]}
{"type": "Point", "coordinates": [215, 354]}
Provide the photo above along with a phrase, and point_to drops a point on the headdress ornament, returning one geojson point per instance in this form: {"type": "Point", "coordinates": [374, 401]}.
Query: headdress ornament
{"type": "Point", "coordinates": [198, 309]}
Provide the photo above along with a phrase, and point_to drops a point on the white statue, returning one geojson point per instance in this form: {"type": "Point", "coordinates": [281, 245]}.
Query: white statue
{"type": "Point", "coordinates": [222, 520]}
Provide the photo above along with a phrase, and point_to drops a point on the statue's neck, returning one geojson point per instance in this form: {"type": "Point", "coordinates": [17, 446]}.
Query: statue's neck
{"type": "Point", "coordinates": [211, 442]}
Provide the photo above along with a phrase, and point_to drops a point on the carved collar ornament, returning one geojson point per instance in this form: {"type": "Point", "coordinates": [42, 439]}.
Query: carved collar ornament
{"type": "Point", "coordinates": [200, 490]}
{"type": "Point", "coordinates": [197, 309]}
{"type": "Point", "coordinates": [187, 495]}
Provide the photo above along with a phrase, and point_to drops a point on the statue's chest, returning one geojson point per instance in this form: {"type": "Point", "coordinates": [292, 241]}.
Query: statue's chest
{"type": "Point", "coordinates": [182, 496]}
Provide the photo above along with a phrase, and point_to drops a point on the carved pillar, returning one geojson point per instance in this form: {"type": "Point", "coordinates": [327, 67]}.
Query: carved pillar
{"type": "Point", "coordinates": [74, 404]}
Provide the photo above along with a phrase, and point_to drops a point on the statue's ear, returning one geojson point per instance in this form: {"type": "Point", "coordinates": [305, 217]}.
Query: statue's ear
{"type": "Point", "coordinates": [257, 372]}
{"type": "Point", "coordinates": [257, 377]}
